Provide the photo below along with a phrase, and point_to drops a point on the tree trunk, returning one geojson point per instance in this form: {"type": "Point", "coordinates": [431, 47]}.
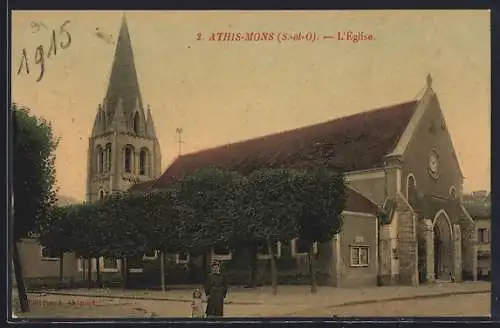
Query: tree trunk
{"type": "Point", "coordinates": [124, 272]}
{"type": "Point", "coordinates": [61, 269]}
{"type": "Point", "coordinates": [89, 272]}
{"type": "Point", "coordinates": [310, 255]}
{"type": "Point", "coordinates": [84, 265]}
{"type": "Point", "coordinates": [274, 271]}
{"type": "Point", "coordinates": [162, 271]}
{"type": "Point", "coordinates": [253, 267]}
{"type": "Point", "coordinates": [21, 290]}
{"type": "Point", "coordinates": [98, 272]}
{"type": "Point", "coordinates": [207, 258]}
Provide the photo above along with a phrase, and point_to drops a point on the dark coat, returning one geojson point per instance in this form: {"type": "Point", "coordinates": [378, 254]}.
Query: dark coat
{"type": "Point", "coordinates": [216, 291]}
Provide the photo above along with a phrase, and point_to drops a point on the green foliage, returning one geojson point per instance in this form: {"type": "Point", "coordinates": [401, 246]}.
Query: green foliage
{"type": "Point", "coordinates": [211, 196]}
{"type": "Point", "coordinates": [168, 222]}
{"type": "Point", "coordinates": [85, 228]}
{"type": "Point", "coordinates": [34, 173]}
{"type": "Point", "coordinates": [124, 221]}
{"type": "Point", "coordinates": [271, 210]}
{"type": "Point", "coordinates": [56, 232]}
{"type": "Point", "coordinates": [210, 207]}
{"type": "Point", "coordinates": [321, 194]}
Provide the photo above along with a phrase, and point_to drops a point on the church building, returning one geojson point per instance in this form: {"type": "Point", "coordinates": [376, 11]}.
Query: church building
{"type": "Point", "coordinates": [399, 159]}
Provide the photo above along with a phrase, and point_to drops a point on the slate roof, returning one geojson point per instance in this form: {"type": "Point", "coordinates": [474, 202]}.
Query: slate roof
{"type": "Point", "coordinates": [478, 210]}
{"type": "Point", "coordinates": [478, 204]}
{"type": "Point", "coordinates": [123, 81]}
{"type": "Point", "coordinates": [355, 202]}
{"type": "Point", "coordinates": [351, 143]}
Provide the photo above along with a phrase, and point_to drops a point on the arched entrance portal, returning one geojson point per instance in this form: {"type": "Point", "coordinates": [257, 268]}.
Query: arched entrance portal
{"type": "Point", "coordinates": [443, 251]}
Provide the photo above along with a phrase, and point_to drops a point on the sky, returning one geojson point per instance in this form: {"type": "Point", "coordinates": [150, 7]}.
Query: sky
{"type": "Point", "coordinates": [221, 92]}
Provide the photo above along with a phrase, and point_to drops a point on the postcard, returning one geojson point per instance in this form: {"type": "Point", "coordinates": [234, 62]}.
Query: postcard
{"type": "Point", "coordinates": [207, 164]}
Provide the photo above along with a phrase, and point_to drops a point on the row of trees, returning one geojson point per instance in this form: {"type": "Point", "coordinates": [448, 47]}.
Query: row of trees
{"type": "Point", "coordinates": [207, 208]}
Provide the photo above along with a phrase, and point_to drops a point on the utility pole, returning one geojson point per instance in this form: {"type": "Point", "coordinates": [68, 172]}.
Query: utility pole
{"type": "Point", "coordinates": [179, 139]}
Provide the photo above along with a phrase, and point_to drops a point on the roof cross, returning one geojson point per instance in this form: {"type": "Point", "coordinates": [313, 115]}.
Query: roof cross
{"type": "Point", "coordinates": [429, 81]}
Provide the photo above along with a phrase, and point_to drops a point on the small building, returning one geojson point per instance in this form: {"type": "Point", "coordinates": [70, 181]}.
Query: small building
{"type": "Point", "coordinates": [40, 265]}
{"type": "Point", "coordinates": [478, 204]}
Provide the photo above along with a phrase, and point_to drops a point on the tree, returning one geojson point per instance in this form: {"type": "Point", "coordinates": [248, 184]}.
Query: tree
{"type": "Point", "coordinates": [211, 196]}
{"type": "Point", "coordinates": [167, 221]}
{"type": "Point", "coordinates": [271, 211]}
{"type": "Point", "coordinates": [321, 194]}
{"type": "Point", "coordinates": [125, 223]}
{"type": "Point", "coordinates": [34, 180]}
{"type": "Point", "coordinates": [56, 233]}
{"type": "Point", "coordinates": [83, 220]}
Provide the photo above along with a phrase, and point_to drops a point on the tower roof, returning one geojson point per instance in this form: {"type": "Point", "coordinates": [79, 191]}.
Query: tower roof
{"type": "Point", "coordinates": [123, 81]}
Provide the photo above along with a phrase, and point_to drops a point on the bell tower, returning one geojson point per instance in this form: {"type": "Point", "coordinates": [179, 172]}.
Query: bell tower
{"type": "Point", "coordinates": [123, 148]}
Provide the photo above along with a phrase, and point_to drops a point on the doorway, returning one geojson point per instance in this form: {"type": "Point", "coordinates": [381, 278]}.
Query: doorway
{"type": "Point", "coordinates": [438, 247]}
{"type": "Point", "coordinates": [443, 248]}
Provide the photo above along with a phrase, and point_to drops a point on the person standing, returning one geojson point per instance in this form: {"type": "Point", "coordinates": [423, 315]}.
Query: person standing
{"type": "Point", "coordinates": [216, 290]}
{"type": "Point", "coordinates": [197, 305]}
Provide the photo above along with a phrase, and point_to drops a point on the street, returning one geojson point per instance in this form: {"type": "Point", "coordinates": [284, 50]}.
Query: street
{"type": "Point", "coordinates": [292, 301]}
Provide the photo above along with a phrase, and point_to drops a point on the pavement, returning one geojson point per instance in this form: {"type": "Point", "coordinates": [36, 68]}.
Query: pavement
{"type": "Point", "coordinates": [291, 294]}
{"type": "Point", "coordinates": [244, 302]}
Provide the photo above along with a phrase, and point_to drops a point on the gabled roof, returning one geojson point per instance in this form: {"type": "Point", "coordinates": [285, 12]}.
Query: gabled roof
{"type": "Point", "coordinates": [351, 143]}
{"type": "Point", "coordinates": [478, 204]}
{"type": "Point", "coordinates": [478, 210]}
{"type": "Point", "coordinates": [355, 202]}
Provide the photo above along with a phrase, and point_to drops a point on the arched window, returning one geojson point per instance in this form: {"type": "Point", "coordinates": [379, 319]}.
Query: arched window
{"type": "Point", "coordinates": [453, 192]}
{"type": "Point", "coordinates": [129, 157]}
{"type": "Point", "coordinates": [101, 194]}
{"type": "Point", "coordinates": [144, 162]}
{"type": "Point", "coordinates": [411, 189]}
{"type": "Point", "coordinates": [136, 122]}
{"type": "Point", "coordinates": [100, 160]}
{"type": "Point", "coordinates": [108, 157]}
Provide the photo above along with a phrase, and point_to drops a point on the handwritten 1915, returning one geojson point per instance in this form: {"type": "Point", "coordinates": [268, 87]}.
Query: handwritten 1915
{"type": "Point", "coordinates": [40, 54]}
